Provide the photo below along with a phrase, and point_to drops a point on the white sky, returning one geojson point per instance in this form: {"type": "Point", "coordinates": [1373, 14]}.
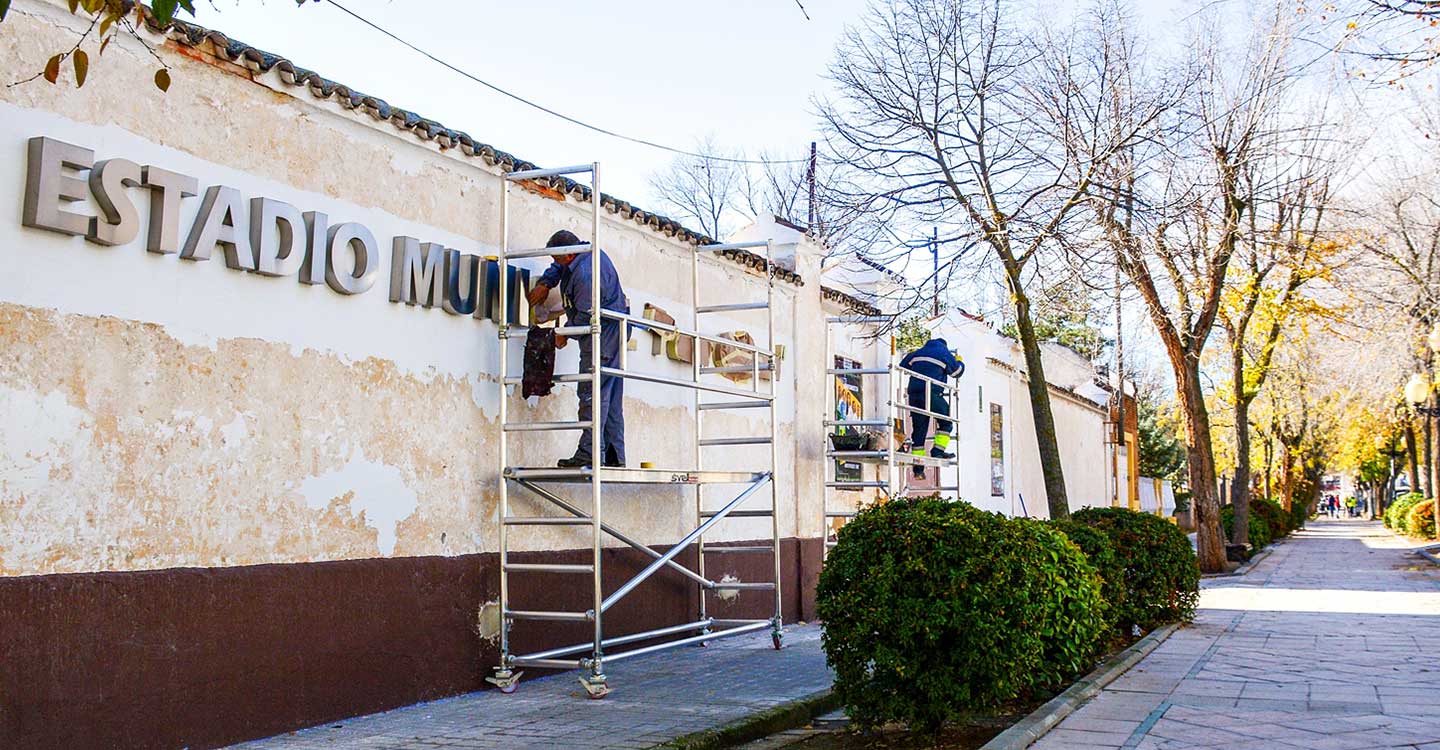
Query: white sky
{"type": "Point", "coordinates": [669, 71]}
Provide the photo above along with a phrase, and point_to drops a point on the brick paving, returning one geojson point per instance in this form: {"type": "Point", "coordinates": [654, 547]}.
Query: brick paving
{"type": "Point", "coordinates": [1327, 644]}
{"type": "Point", "coordinates": [654, 699]}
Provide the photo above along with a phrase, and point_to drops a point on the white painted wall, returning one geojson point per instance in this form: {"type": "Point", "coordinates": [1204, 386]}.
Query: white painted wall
{"type": "Point", "coordinates": [47, 441]}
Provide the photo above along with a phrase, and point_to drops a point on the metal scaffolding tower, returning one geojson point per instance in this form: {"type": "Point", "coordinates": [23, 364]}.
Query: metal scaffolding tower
{"type": "Point", "coordinates": [886, 457]}
{"type": "Point", "coordinates": [596, 477]}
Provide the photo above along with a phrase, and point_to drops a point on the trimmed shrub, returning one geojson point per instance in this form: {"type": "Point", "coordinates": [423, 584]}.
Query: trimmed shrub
{"type": "Point", "coordinates": [1420, 521]}
{"type": "Point", "coordinates": [1258, 534]}
{"type": "Point", "coordinates": [1299, 514]}
{"type": "Point", "coordinates": [934, 608]}
{"type": "Point", "coordinates": [1076, 615]}
{"type": "Point", "coordinates": [1101, 553]}
{"type": "Point", "coordinates": [1162, 576]}
{"type": "Point", "coordinates": [1275, 517]}
{"type": "Point", "coordinates": [1397, 515]}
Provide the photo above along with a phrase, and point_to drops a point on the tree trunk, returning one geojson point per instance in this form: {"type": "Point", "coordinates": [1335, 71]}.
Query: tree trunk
{"type": "Point", "coordinates": [1240, 493]}
{"type": "Point", "coordinates": [1288, 473]}
{"type": "Point", "coordinates": [1414, 458]}
{"type": "Point", "coordinates": [1209, 538]}
{"type": "Point", "coordinates": [1055, 496]}
{"type": "Point", "coordinates": [1269, 468]}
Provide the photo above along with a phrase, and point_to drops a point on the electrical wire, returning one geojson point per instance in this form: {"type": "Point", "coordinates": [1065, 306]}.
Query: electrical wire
{"type": "Point", "coordinates": [551, 112]}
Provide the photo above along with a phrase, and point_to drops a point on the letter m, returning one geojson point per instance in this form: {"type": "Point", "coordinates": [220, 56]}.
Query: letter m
{"type": "Point", "coordinates": [417, 272]}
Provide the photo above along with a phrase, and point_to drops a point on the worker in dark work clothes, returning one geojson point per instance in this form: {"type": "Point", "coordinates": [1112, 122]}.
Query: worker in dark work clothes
{"type": "Point", "coordinates": [934, 360]}
{"type": "Point", "coordinates": [571, 273]}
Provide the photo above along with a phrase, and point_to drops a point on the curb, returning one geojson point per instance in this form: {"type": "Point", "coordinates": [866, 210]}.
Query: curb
{"type": "Point", "coordinates": [785, 716]}
{"type": "Point", "coordinates": [1023, 733]}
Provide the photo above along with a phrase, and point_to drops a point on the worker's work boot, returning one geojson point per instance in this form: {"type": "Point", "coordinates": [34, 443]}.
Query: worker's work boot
{"type": "Point", "coordinates": [917, 471]}
{"type": "Point", "coordinates": [612, 459]}
{"type": "Point", "coordinates": [941, 448]}
{"type": "Point", "coordinates": [576, 461]}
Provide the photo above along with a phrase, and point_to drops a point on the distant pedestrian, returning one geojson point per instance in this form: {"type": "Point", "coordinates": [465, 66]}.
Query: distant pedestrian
{"type": "Point", "coordinates": [1350, 506]}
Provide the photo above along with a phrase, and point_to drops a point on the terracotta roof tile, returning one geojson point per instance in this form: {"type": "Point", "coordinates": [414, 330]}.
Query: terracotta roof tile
{"type": "Point", "coordinates": [259, 61]}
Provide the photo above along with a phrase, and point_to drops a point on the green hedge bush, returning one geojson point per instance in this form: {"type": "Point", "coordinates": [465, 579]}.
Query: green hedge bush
{"type": "Point", "coordinates": [1397, 515]}
{"type": "Point", "coordinates": [1420, 521]}
{"type": "Point", "coordinates": [1299, 514]}
{"type": "Point", "coordinates": [1076, 615]}
{"type": "Point", "coordinates": [1162, 576]}
{"type": "Point", "coordinates": [1259, 532]}
{"type": "Point", "coordinates": [1275, 517]}
{"type": "Point", "coordinates": [934, 608]}
{"type": "Point", "coordinates": [1101, 553]}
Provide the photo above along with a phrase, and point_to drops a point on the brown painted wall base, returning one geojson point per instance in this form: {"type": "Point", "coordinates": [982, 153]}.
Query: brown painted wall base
{"type": "Point", "coordinates": [202, 658]}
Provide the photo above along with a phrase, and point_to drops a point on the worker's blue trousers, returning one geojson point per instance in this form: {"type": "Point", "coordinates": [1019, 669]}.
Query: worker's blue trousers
{"type": "Point", "coordinates": [612, 397]}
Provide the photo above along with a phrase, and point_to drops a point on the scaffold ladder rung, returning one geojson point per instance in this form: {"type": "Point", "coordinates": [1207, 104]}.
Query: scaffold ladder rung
{"type": "Point", "coordinates": [721, 405]}
{"type": "Point", "coordinates": [535, 174]}
{"type": "Point", "coordinates": [569, 377]}
{"type": "Point", "coordinates": [736, 441]}
{"type": "Point", "coordinates": [738, 514]}
{"type": "Point", "coordinates": [545, 426]}
{"type": "Point", "coordinates": [545, 521]}
{"type": "Point", "coordinates": [704, 309]}
{"type": "Point", "coordinates": [548, 568]}
{"type": "Point", "coordinates": [859, 485]}
{"type": "Point", "coordinates": [741, 586]}
{"type": "Point", "coordinates": [735, 550]}
{"type": "Point", "coordinates": [856, 423]}
{"type": "Point", "coordinates": [841, 513]}
{"type": "Point", "coordinates": [553, 616]}
{"type": "Point", "coordinates": [521, 661]}
{"type": "Point", "coordinates": [535, 252]}
{"type": "Point", "coordinates": [731, 246]}
{"type": "Point", "coordinates": [734, 369]}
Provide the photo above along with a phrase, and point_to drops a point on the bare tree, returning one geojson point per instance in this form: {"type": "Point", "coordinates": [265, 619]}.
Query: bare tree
{"type": "Point", "coordinates": [1175, 218]}
{"type": "Point", "coordinates": [1402, 35]}
{"type": "Point", "coordinates": [1287, 244]}
{"type": "Point", "coordinates": [948, 115]}
{"type": "Point", "coordinates": [706, 190]}
{"type": "Point", "coordinates": [723, 189]}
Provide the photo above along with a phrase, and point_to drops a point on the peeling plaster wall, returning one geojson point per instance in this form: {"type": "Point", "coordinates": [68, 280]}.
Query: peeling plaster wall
{"type": "Point", "coordinates": [159, 412]}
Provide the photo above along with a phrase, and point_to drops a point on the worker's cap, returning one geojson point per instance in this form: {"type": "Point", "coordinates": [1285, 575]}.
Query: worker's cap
{"type": "Point", "coordinates": [562, 238]}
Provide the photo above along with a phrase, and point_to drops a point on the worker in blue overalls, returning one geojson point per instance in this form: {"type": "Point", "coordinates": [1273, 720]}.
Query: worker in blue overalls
{"type": "Point", "coordinates": [571, 273]}
{"type": "Point", "coordinates": [934, 360]}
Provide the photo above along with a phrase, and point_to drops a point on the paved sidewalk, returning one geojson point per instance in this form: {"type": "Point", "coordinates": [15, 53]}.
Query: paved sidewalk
{"type": "Point", "coordinates": [1328, 643]}
{"type": "Point", "coordinates": [655, 699]}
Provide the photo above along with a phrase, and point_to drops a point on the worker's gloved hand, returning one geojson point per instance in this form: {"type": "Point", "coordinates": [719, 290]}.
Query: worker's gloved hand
{"type": "Point", "coordinates": [537, 295]}
{"type": "Point", "coordinates": [560, 341]}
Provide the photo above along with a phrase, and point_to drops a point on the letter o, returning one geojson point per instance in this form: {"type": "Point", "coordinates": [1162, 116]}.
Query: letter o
{"type": "Point", "coordinates": [359, 241]}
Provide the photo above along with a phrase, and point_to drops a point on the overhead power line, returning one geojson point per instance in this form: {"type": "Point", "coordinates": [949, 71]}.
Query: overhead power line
{"type": "Point", "coordinates": [551, 112]}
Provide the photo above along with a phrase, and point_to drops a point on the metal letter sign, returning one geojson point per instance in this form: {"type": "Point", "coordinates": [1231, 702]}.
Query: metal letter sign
{"type": "Point", "coordinates": [266, 236]}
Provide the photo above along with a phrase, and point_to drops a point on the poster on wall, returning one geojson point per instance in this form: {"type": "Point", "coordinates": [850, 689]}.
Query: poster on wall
{"type": "Point", "coordinates": [997, 451]}
{"type": "Point", "coordinates": [849, 404]}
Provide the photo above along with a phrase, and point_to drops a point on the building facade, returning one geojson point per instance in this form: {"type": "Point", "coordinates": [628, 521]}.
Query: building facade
{"type": "Point", "coordinates": [248, 414]}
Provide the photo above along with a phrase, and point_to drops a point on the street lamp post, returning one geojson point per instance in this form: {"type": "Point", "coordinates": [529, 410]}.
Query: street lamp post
{"type": "Point", "coordinates": [1417, 392]}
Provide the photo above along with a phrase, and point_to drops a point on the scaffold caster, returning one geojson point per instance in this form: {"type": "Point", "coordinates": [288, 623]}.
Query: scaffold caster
{"type": "Point", "coordinates": [595, 687]}
{"type": "Point", "coordinates": [777, 638]}
{"type": "Point", "coordinates": [505, 680]}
